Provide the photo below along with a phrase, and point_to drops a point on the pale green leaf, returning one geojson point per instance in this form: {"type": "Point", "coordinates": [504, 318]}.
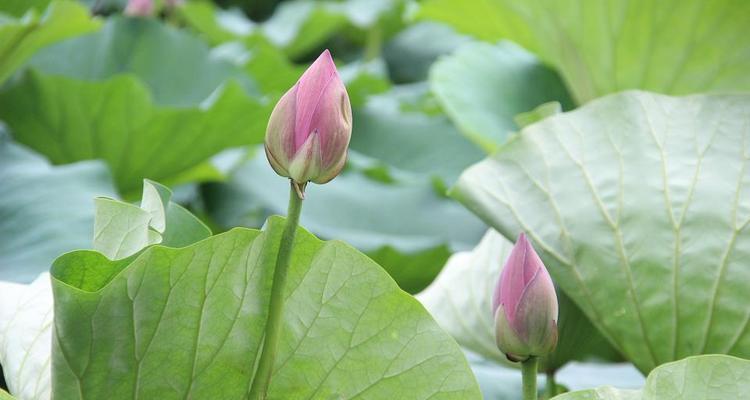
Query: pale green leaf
{"type": "Point", "coordinates": [26, 338]}
{"type": "Point", "coordinates": [122, 229]}
{"type": "Point", "coordinates": [45, 210]}
{"type": "Point", "coordinates": [20, 38]}
{"type": "Point", "coordinates": [482, 87]}
{"type": "Point", "coordinates": [411, 52]}
{"type": "Point", "coordinates": [539, 113]}
{"type": "Point", "coordinates": [411, 140]}
{"type": "Point", "coordinates": [693, 378]}
{"type": "Point", "coordinates": [155, 200]}
{"type": "Point", "coordinates": [188, 322]}
{"type": "Point", "coordinates": [639, 204]}
{"type": "Point", "coordinates": [601, 47]}
{"type": "Point", "coordinates": [117, 121]}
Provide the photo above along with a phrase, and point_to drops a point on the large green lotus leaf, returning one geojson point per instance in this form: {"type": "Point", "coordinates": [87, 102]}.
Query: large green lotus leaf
{"type": "Point", "coordinates": [483, 86]}
{"type": "Point", "coordinates": [411, 140]}
{"type": "Point", "coordinates": [398, 228]}
{"type": "Point", "coordinates": [460, 300]}
{"type": "Point", "coordinates": [640, 205]}
{"type": "Point", "coordinates": [693, 378]}
{"type": "Point", "coordinates": [188, 322]}
{"type": "Point", "coordinates": [600, 47]}
{"type": "Point", "coordinates": [178, 68]}
{"type": "Point", "coordinates": [44, 210]}
{"type": "Point", "coordinates": [116, 120]}
{"type": "Point", "coordinates": [21, 37]}
{"type": "Point", "coordinates": [5, 396]}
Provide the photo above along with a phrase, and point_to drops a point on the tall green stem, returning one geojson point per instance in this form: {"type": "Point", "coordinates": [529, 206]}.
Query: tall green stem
{"type": "Point", "coordinates": [551, 385]}
{"type": "Point", "coordinates": [262, 380]}
{"type": "Point", "coordinates": [528, 369]}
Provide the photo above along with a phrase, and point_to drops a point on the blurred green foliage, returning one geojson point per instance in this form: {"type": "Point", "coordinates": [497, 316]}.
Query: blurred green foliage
{"type": "Point", "coordinates": [93, 101]}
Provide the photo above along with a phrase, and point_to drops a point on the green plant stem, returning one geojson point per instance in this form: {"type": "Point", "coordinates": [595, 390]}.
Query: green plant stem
{"type": "Point", "coordinates": [528, 369]}
{"type": "Point", "coordinates": [551, 385]}
{"type": "Point", "coordinates": [373, 42]}
{"type": "Point", "coordinates": [262, 379]}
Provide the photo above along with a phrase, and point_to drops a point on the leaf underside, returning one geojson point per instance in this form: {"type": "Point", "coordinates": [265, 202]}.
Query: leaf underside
{"type": "Point", "coordinates": [640, 205]}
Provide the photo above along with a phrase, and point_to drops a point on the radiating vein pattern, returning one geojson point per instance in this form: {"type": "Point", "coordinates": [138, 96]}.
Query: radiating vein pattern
{"type": "Point", "coordinates": [188, 323]}
{"type": "Point", "coordinates": [640, 202]}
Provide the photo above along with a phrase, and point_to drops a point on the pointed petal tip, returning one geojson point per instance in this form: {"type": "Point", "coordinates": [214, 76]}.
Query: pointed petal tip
{"type": "Point", "coordinates": [325, 60]}
{"type": "Point", "coordinates": [522, 238]}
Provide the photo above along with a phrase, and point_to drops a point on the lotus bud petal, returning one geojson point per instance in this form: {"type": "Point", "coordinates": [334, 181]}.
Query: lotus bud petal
{"type": "Point", "coordinates": [525, 305]}
{"type": "Point", "coordinates": [310, 127]}
{"type": "Point", "coordinates": [140, 8]}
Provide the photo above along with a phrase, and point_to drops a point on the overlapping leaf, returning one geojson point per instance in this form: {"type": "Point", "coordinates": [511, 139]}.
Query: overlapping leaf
{"type": "Point", "coordinates": [44, 210]}
{"type": "Point", "coordinates": [116, 120]}
{"type": "Point", "coordinates": [601, 47]}
{"type": "Point", "coordinates": [188, 322]}
{"type": "Point", "coordinates": [411, 140]}
{"type": "Point", "coordinates": [639, 204]}
{"type": "Point", "coordinates": [694, 378]}
{"type": "Point", "coordinates": [482, 87]}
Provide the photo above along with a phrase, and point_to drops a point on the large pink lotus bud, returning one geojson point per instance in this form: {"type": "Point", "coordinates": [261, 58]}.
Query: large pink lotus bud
{"type": "Point", "coordinates": [525, 305]}
{"type": "Point", "coordinates": [310, 127]}
{"type": "Point", "coordinates": [139, 8]}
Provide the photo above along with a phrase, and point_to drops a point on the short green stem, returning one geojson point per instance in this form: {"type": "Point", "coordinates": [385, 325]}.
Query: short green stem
{"type": "Point", "coordinates": [262, 380]}
{"type": "Point", "coordinates": [551, 385]}
{"type": "Point", "coordinates": [528, 369]}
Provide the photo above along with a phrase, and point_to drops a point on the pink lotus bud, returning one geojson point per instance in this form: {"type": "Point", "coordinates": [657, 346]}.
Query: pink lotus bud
{"type": "Point", "coordinates": [525, 305]}
{"type": "Point", "coordinates": [139, 8]}
{"type": "Point", "coordinates": [310, 127]}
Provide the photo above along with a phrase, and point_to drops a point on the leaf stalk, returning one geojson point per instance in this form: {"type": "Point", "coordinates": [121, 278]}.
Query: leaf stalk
{"type": "Point", "coordinates": [262, 380]}
{"type": "Point", "coordinates": [528, 370]}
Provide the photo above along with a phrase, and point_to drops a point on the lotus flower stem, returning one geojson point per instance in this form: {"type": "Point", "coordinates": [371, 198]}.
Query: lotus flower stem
{"type": "Point", "coordinates": [551, 385]}
{"type": "Point", "coordinates": [528, 369]}
{"type": "Point", "coordinates": [262, 380]}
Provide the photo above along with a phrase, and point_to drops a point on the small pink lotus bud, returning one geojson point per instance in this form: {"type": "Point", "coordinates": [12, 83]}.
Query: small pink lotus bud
{"type": "Point", "coordinates": [310, 127]}
{"type": "Point", "coordinates": [525, 305]}
{"type": "Point", "coordinates": [139, 8]}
